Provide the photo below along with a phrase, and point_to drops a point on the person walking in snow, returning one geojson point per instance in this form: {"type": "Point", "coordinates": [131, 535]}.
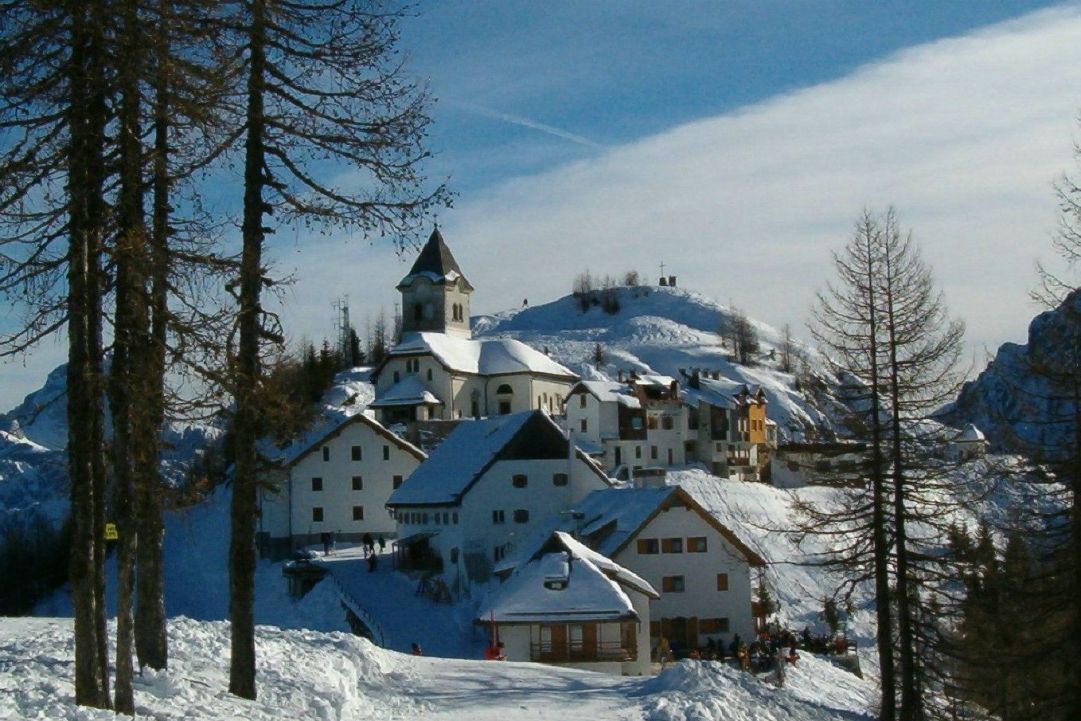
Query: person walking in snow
{"type": "Point", "coordinates": [382, 544]}
{"type": "Point", "coordinates": [369, 545]}
{"type": "Point", "coordinates": [416, 649]}
{"type": "Point", "coordinates": [664, 651]}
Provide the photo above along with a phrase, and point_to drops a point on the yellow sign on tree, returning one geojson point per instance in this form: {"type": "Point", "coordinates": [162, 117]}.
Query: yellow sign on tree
{"type": "Point", "coordinates": [110, 532]}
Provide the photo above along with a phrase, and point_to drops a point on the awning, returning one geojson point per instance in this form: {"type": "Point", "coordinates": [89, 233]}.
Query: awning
{"type": "Point", "coordinates": [419, 536]}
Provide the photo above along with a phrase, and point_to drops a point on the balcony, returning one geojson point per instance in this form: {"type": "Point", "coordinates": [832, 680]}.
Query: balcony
{"type": "Point", "coordinates": [548, 652]}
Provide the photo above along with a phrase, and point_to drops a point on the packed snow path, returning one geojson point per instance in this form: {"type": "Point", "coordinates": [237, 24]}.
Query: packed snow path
{"type": "Point", "coordinates": [403, 617]}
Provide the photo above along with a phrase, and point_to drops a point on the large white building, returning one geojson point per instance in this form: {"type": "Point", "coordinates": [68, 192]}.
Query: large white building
{"type": "Point", "coordinates": [439, 371]}
{"type": "Point", "coordinates": [336, 480]}
{"type": "Point", "coordinates": [701, 569]}
{"type": "Point", "coordinates": [491, 485]}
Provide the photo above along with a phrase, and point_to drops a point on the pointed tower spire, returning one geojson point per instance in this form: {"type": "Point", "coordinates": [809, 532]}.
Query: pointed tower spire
{"type": "Point", "coordinates": [435, 292]}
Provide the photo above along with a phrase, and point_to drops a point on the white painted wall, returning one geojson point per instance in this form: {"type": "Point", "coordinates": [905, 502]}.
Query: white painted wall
{"type": "Point", "coordinates": [700, 598]}
{"type": "Point", "coordinates": [338, 497]}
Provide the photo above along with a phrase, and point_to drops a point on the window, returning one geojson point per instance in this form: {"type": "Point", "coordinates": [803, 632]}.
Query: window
{"type": "Point", "coordinates": [671, 545]}
{"type": "Point", "coordinates": [424, 518]}
{"type": "Point", "coordinates": [498, 517]}
{"type": "Point", "coordinates": [317, 484]}
{"type": "Point", "coordinates": [520, 481]}
{"type": "Point", "coordinates": [648, 546]}
{"type": "Point", "coordinates": [722, 581]}
{"type": "Point", "coordinates": [358, 483]}
{"type": "Point", "coordinates": [582, 400]}
{"type": "Point", "coordinates": [651, 423]}
{"type": "Point", "coordinates": [504, 390]}
{"type": "Point", "coordinates": [521, 515]}
{"type": "Point", "coordinates": [666, 422]}
{"type": "Point", "coordinates": [636, 423]}
{"type": "Point", "coordinates": [672, 584]}
{"type": "Point", "coordinates": [504, 408]}
{"type": "Point", "coordinates": [696, 544]}
{"type": "Point", "coordinates": [454, 518]}
{"type": "Point", "coordinates": [397, 377]}
{"type": "Point", "coordinates": [429, 374]}
{"type": "Point", "coordinates": [582, 425]}
{"type": "Point", "coordinates": [386, 453]}
{"type": "Point", "coordinates": [638, 451]}
{"type": "Point", "coordinates": [326, 453]}
{"type": "Point", "coordinates": [653, 452]}
{"type": "Point", "coordinates": [358, 513]}
{"type": "Point", "coordinates": [397, 481]}
{"type": "Point", "coordinates": [713, 625]}
{"type": "Point", "coordinates": [559, 479]}
{"type": "Point", "coordinates": [317, 514]}
{"type": "Point", "coordinates": [355, 452]}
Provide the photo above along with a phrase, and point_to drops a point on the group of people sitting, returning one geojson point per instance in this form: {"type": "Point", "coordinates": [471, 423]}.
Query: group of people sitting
{"type": "Point", "coordinates": [761, 654]}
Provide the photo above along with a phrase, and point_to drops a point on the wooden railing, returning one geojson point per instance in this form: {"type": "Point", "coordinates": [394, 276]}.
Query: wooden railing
{"type": "Point", "coordinates": [576, 653]}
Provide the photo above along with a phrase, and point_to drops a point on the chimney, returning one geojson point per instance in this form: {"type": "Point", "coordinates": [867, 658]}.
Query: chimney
{"type": "Point", "coordinates": [664, 281]}
{"type": "Point", "coordinates": [695, 378]}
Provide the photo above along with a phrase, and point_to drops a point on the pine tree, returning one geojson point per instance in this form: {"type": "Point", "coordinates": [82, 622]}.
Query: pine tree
{"type": "Point", "coordinates": [322, 81]}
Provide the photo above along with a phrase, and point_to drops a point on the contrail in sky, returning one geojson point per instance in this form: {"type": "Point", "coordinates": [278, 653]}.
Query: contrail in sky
{"type": "Point", "coordinates": [524, 122]}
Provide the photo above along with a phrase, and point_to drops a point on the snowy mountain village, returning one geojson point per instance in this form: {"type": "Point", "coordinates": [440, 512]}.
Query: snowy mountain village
{"type": "Point", "coordinates": [498, 476]}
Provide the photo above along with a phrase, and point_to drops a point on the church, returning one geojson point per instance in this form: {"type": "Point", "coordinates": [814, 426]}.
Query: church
{"type": "Point", "coordinates": [438, 371]}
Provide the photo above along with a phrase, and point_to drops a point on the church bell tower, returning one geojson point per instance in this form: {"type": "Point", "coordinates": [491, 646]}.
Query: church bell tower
{"type": "Point", "coordinates": [435, 293]}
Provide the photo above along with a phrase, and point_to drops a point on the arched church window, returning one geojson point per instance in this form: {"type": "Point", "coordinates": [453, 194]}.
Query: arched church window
{"type": "Point", "coordinates": [504, 389]}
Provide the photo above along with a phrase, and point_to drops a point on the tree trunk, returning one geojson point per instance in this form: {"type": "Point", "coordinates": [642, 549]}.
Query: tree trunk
{"type": "Point", "coordinates": [150, 634]}
{"type": "Point", "coordinates": [129, 342]}
{"type": "Point", "coordinates": [242, 545]}
{"type": "Point", "coordinates": [910, 701]}
{"type": "Point", "coordinates": [85, 190]}
{"type": "Point", "coordinates": [880, 541]}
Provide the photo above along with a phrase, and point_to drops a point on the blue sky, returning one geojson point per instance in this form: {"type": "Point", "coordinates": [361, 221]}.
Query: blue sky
{"type": "Point", "coordinates": [735, 141]}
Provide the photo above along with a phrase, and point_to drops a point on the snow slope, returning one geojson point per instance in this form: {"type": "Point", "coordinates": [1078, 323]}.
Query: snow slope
{"type": "Point", "coordinates": [661, 330]}
{"type": "Point", "coordinates": [306, 674]}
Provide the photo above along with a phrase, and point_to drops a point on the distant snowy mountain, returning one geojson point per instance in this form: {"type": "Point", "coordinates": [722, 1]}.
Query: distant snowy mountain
{"type": "Point", "coordinates": [663, 330]}
{"type": "Point", "coordinates": [1015, 401]}
{"type": "Point", "coordinates": [33, 462]}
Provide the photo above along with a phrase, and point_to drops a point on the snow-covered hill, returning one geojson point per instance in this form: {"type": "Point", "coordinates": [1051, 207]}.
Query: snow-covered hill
{"type": "Point", "coordinates": [663, 330]}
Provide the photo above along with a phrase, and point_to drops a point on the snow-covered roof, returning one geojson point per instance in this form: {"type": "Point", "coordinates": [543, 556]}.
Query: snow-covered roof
{"type": "Point", "coordinates": [564, 581]}
{"type": "Point", "coordinates": [611, 392]}
{"type": "Point", "coordinates": [409, 391]}
{"type": "Point", "coordinates": [719, 392]}
{"type": "Point", "coordinates": [471, 449]}
{"type": "Point", "coordinates": [486, 357]}
{"type": "Point", "coordinates": [971, 434]}
{"type": "Point", "coordinates": [326, 428]}
{"type": "Point", "coordinates": [613, 516]}
{"type": "Point", "coordinates": [436, 263]}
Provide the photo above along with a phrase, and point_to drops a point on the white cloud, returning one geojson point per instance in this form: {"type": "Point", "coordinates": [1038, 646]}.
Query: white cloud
{"type": "Point", "coordinates": [964, 136]}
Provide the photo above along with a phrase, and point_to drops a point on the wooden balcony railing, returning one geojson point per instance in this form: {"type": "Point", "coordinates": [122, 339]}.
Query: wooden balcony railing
{"type": "Point", "coordinates": [577, 653]}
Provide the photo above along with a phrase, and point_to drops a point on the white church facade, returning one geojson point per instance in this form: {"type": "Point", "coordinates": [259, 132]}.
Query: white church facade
{"type": "Point", "coordinates": [438, 371]}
